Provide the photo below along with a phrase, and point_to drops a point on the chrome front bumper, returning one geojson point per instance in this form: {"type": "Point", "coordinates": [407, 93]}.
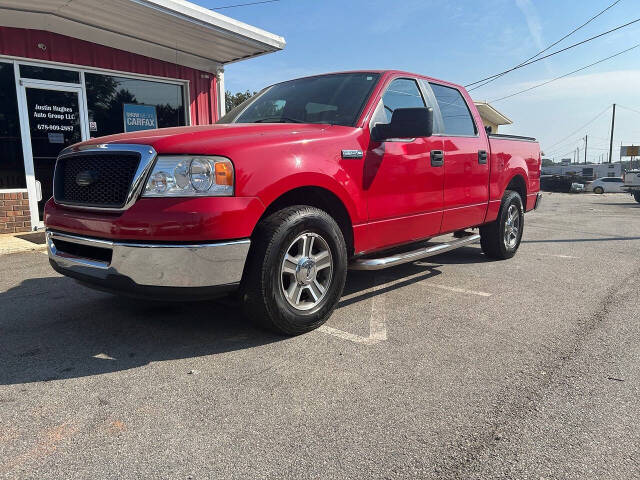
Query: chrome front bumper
{"type": "Point", "coordinates": [114, 265]}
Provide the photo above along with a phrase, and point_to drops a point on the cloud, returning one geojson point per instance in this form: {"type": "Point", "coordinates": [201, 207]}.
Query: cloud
{"type": "Point", "coordinates": [394, 18]}
{"type": "Point", "coordinates": [611, 85]}
{"type": "Point", "coordinates": [533, 21]}
{"type": "Point", "coordinates": [551, 112]}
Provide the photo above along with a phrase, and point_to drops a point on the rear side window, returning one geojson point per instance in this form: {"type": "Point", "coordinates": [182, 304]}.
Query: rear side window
{"type": "Point", "coordinates": [402, 93]}
{"type": "Point", "coordinates": [455, 112]}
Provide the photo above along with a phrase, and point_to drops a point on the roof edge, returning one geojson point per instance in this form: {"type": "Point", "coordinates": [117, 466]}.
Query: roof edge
{"type": "Point", "coordinates": [497, 117]}
{"type": "Point", "coordinates": [210, 19]}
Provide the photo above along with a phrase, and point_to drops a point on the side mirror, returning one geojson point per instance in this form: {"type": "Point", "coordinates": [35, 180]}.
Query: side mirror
{"type": "Point", "coordinates": [405, 123]}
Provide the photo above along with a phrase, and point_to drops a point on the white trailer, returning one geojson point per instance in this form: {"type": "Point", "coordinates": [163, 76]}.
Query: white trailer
{"type": "Point", "coordinates": [632, 183]}
{"type": "Point", "coordinates": [589, 171]}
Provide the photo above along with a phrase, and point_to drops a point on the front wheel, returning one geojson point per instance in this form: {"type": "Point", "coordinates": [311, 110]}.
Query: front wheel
{"type": "Point", "coordinates": [636, 196]}
{"type": "Point", "coordinates": [501, 239]}
{"type": "Point", "coordinates": [296, 270]}
{"type": "Point", "coordinates": [598, 190]}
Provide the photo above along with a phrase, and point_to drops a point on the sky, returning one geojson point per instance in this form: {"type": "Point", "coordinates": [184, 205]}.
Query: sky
{"type": "Point", "coordinates": [464, 41]}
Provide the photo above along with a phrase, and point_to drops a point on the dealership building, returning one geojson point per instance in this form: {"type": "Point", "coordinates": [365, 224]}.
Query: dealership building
{"type": "Point", "coordinates": [71, 70]}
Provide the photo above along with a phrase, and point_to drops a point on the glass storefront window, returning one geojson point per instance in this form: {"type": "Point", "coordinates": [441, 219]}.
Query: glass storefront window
{"type": "Point", "coordinates": [107, 95]}
{"type": "Point", "coordinates": [11, 162]}
{"type": "Point", "coordinates": [51, 74]}
{"type": "Point", "coordinates": [54, 123]}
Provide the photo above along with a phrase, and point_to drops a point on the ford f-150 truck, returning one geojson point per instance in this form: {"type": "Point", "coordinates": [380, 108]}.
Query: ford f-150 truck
{"type": "Point", "coordinates": [288, 191]}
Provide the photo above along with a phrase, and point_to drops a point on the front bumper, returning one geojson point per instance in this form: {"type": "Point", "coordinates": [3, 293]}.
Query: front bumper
{"type": "Point", "coordinates": [167, 271]}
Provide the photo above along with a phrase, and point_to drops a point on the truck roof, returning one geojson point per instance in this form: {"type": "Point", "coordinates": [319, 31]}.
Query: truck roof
{"type": "Point", "coordinates": [383, 73]}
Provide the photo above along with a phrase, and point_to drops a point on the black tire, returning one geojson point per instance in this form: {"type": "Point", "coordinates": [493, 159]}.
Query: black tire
{"type": "Point", "coordinates": [262, 290]}
{"type": "Point", "coordinates": [636, 196]}
{"type": "Point", "coordinates": [492, 235]}
{"type": "Point", "coordinates": [598, 190]}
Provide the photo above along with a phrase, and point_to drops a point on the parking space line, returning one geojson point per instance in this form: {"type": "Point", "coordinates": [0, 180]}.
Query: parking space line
{"type": "Point", "coordinates": [377, 323]}
{"type": "Point", "coordinates": [571, 257]}
{"type": "Point", "coordinates": [456, 289]}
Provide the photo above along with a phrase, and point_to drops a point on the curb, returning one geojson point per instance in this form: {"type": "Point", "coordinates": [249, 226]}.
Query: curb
{"type": "Point", "coordinates": [10, 243]}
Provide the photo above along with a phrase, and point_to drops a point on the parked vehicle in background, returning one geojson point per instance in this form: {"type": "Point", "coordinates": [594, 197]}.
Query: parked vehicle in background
{"type": "Point", "coordinates": [606, 185]}
{"type": "Point", "coordinates": [561, 183]}
{"type": "Point", "coordinates": [289, 190]}
{"type": "Point", "coordinates": [577, 187]}
{"type": "Point", "coordinates": [632, 184]}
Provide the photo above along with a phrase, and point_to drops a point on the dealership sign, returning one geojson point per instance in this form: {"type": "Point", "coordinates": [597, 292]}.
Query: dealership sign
{"type": "Point", "coordinates": [633, 151]}
{"type": "Point", "coordinates": [139, 117]}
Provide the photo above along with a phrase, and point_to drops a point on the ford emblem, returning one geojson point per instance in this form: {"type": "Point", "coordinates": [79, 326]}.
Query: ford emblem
{"type": "Point", "coordinates": [86, 178]}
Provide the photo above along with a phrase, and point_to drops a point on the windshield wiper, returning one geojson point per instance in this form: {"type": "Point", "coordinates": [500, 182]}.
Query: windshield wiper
{"type": "Point", "coordinates": [275, 119]}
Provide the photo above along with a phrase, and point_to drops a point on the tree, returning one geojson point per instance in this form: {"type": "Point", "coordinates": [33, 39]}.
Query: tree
{"type": "Point", "coordinates": [232, 100]}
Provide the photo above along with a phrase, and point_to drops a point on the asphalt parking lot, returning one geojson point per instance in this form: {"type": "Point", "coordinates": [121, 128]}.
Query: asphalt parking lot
{"type": "Point", "coordinates": [454, 368]}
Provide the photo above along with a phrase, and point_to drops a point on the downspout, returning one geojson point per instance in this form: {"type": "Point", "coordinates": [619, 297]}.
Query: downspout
{"type": "Point", "coordinates": [220, 92]}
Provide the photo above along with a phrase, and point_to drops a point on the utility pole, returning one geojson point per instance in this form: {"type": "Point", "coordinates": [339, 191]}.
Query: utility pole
{"type": "Point", "coordinates": [585, 149]}
{"type": "Point", "coordinates": [613, 124]}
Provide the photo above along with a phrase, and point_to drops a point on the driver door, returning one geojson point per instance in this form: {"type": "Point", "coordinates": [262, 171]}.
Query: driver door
{"type": "Point", "coordinates": [404, 187]}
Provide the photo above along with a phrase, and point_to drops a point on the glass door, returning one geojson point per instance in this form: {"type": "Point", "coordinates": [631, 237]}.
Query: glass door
{"type": "Point", "coordinates": [55, 118]}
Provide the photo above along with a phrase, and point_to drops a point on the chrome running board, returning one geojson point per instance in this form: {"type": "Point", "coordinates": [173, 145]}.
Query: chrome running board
{"type": "Point", "coordinates": [412, 256]}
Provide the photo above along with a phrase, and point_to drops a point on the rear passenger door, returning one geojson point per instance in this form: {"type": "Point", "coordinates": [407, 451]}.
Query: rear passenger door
{"type": "Point", "coordinates": [466, 161]}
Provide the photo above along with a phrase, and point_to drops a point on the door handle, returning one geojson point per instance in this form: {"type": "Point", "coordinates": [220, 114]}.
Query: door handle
{"type": "Point", "coordinates": [482, 157]}
{"type": "Point", "coordinates": [437, 158]}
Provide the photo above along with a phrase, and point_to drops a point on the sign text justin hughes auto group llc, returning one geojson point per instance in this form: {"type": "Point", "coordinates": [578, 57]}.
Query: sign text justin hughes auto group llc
{"type": "Point", "coordinates": [53, 112]}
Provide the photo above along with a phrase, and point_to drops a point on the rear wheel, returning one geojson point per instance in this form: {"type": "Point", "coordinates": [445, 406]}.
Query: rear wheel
{"type": "Point", "coordinates": [501, 239]}
{"type": "Point", "coordinates": [598, 190]}
{"type": "Point", "coordinates": [636, 196]}
{"type": "Point", "coordinates": [296, 270]}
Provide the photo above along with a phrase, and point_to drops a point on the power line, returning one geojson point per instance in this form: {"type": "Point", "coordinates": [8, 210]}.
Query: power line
{"type": "Point", "coordinates": [565, 75]}
{"type": "Point", "coordinates": [575, 140]}
{"type": "Point", "coordinates": [244, 4]}
{"type": "Point", "coordinates": [550, 46]}
{"type": "Point", "coordinates": [553, 53]}
{"type": "Point", "coordinates": [630, 109]}
{"type": "Point", "coordinates": [582, 127]}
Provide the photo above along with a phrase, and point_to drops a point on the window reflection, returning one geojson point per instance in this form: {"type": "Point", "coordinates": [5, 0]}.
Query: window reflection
{"type": "Point", "coordinates": [11, 163]}
{"type": "Point", "coordinates": [106, 95]}
{"type": "Point", "coordinates": [53, 74]}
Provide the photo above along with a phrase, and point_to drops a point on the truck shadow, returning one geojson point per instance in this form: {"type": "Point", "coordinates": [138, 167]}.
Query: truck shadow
{"type": "Point", "coordinates": [52, 328]}
{"type": "Point", "coordinates": [461, 256]}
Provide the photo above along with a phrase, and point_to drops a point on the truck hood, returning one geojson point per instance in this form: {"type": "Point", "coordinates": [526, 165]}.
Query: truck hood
{"type": "Point", "coordinates": [216, 139]}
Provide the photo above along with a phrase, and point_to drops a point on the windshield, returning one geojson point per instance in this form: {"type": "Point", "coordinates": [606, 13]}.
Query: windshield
{"type": "Point", "coordinates": [334, 99]}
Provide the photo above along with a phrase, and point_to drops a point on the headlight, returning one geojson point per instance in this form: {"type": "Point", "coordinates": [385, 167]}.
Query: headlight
{"type": "Point", "coordinates": [183, 176]}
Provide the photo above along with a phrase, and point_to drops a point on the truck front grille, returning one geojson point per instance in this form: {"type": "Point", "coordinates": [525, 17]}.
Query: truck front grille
{"type": "Point", "coordinates": [96, 179]}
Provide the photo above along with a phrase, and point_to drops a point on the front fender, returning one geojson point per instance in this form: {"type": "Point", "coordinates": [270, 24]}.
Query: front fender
{"type": "Point", "coordinates": [270, 180]}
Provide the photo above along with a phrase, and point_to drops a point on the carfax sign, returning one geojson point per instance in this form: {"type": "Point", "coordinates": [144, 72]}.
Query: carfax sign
{"type": "Point", "coordinates": [139, 117]}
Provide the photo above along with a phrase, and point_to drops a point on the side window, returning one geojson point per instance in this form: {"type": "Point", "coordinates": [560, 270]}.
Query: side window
{"type": "Point", "coordinates": [455, 112]}
{"type": "Point", "coordinates": [401, 93]}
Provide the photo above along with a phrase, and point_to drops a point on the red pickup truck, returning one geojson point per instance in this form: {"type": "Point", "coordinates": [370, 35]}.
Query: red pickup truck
{"type": "Point", "coordinates": [288, 191]}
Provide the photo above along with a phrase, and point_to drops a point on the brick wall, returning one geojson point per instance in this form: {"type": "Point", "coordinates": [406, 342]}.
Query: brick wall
{"type": "Point", "coordinates": [14, 212]}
